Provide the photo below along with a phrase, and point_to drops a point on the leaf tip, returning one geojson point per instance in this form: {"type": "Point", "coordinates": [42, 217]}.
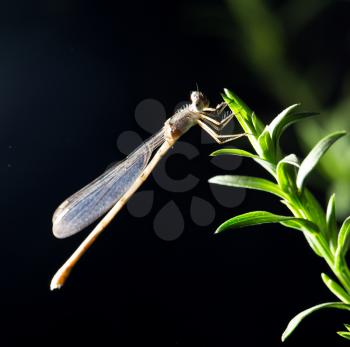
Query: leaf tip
{"type": "Point", "coordinates": [218, 230]}
{"type": "Point", "coordinates": [325, 278]}
{"type": "Point", "coordinates": [284, 336]}
{"type": "Point", "coordinates": [211, 180]}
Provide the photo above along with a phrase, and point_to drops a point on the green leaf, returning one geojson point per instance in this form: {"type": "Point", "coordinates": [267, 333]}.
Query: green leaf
{"type": "Point", "coordinates": [255, 218]}
{"type": "Point", "coordinates": [313, 208]}
{"type": "Point", "coordinates": [234, 151]}
{"type": "Point", "coordinates": [344, 334]}
{"type": "Point", "coordinates": [332, 223]}
{"type": "Point", "coordinates": [258, 124]}
{"type": "Point", "coordinates": [248, 182]}
{"type": "Point", "coordinates": [270, 167]}
{"type": "Point", "coordinates": [241, 107]}
{"type": "Point", "coordinates": [245, 116]}
{"type": "Point", "coordinates": [336, 289]}
{"type": "Point", "coordinates": [315, 155]}
{"type": "Point", "coordinates": [343, 242]}
{"type": "Point", "coordinates": [267, 148]}
{"type": "Point", "coordinates": [285, 119]}
{"type": "Point", "coordinates": [298, 318]}
{"type": "Point", "coordinates": [244, 121]}
{"type": "Point", "coordinates": [248, 121]}
{"type": "Point", "coordinates": [286, 173]}
{"type": "Point", "coordinates": [291, 159]}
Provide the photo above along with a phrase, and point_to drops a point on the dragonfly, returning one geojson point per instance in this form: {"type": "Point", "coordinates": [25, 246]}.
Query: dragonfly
{"type": "Point", "coordinates": [107, 194]}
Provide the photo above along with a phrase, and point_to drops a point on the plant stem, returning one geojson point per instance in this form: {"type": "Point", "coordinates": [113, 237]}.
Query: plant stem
{"type": "Point", "coordinates": [322, 245]}
{"type": "Point", "coordinates": [342, 273]}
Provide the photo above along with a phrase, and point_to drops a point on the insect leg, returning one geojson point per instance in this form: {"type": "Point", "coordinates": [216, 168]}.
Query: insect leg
{"type": "Point", "coordinates": [220, 139]}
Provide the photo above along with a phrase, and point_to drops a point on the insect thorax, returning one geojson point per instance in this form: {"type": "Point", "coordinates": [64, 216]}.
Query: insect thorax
{"type": "Point", "coordinates": [181, 122]}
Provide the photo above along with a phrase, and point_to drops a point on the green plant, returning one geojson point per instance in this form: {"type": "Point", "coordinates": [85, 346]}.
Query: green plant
{"type": "Point", "coordinates": [318, 226]}
{"type": "Point", "coordinates": [284, 24]}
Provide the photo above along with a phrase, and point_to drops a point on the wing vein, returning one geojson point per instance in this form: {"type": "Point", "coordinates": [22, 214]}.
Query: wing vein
{"type": "Point", "coordinates": [96, 198]}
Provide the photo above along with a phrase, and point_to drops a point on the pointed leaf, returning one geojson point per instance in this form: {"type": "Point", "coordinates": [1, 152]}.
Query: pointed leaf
{"type": "Point", "coordinates": [336, 289]}
{"type": "Point", "coordinates": [291, 159]}
{"type": "Point", "coordinates": [248, 182]}
{"type": "Point", "coordinates": [240, 113]}
{"type": "Point", "coordinates": [280, 122]}
{"type": "Point", "coordinates": [255, 218]}
{"type": "Point", "coordinates": [234, 151]}
{"type": "Point", "coordinates": [286, 172]}
{"type": "Point", "coordinates": [343, 242]}
{"type": "Point", "coordinates": [315, 155]}
{"type": "Point", "coordinates": [242, 108]}
{"type": "Point", "coordinates": [258, 124]}
{"type": "Point", "coordinates": [285, 119]}
{"type": "Point", "coordinates": [332, 223]}
{"type": "Point", "coordinates": [311, 204]}
{"type": "Point", "coordinates": [298, 318]}
{"type": "Point", "coordinates": [243, 114]}
{"type": "Point", "coordinates": [270, 167]}
{"type": "Point", "coordinates": [267, 147]}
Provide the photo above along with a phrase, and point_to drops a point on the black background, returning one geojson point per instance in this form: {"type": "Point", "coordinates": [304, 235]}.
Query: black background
{"type": "Point", "coordinates": [71, 75]}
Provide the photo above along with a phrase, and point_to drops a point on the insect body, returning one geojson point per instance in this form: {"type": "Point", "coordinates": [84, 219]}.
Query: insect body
{"type": "Point", "coordinates": [107, 194]}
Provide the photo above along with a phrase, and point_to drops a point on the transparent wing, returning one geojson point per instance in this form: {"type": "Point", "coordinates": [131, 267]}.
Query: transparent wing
{"type": "Point", "coordinates": [95, 199]}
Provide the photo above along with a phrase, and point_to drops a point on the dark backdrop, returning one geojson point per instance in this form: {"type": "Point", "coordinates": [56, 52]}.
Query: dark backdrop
{"type": "Point", "coordinates": [71, 75]}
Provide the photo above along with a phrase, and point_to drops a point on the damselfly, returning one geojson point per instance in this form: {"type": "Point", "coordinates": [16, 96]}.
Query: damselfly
{"type": "Point", "coordinates": [108, 193]}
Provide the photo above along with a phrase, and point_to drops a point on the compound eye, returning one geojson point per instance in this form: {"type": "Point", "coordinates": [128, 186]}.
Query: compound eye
{"type": "Point", "coordinates": [194, 95]}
